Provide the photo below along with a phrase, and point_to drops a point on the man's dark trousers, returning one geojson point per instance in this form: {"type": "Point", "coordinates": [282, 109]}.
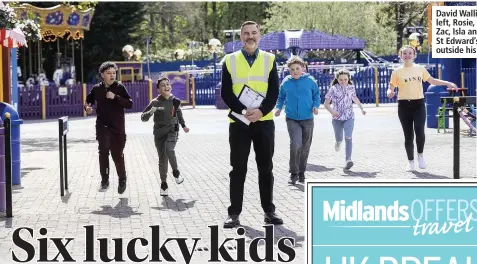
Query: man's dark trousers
{"type": "Point", "coordinates": [110, 141]}
{"type": "Point", "coordinates": [241, 136]}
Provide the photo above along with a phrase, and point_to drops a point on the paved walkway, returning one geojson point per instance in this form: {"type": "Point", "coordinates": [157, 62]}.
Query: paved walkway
{"type": "Point", "coordinates": [203, 156]}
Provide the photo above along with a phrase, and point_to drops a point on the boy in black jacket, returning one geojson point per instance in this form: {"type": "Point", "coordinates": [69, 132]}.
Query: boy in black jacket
{"type": "Point", "coordinates": [111, 99]}
{"type": "Point", "coordinates": [167, 117]}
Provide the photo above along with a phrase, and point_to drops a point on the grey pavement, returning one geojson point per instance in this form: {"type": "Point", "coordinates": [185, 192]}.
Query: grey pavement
{"type": "Point", "coordinates": [202, 200]}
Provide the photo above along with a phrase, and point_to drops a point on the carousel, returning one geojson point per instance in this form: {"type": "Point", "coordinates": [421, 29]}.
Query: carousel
{"type": "Point", "coordinates": [13, 34]}
{"type": "Point", "coordinates": [62, 32]}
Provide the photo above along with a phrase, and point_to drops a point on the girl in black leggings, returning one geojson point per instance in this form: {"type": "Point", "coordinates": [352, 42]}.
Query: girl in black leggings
{"type": "Point", "coordinates": [411, 106]}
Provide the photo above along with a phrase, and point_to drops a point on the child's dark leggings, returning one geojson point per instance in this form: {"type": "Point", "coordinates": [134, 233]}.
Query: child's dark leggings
{"type": "Point", "coordinates": [114, 143]}
{"type": "Point", "coordinates": [165, 146]}
{"type": "Point", "coordinates": [412, 114]}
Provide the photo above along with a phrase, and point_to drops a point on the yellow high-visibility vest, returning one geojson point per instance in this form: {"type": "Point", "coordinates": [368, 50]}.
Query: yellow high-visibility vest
{"type": "Point", "coordinates": [255, 77]}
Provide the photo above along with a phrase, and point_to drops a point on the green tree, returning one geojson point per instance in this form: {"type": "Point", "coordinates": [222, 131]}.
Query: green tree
{"type": "Point", "coordinates": [400, 15]}
{"type": "Point", "coordinates": [112, 27]}
{"type": "Point", "coordinates": [340, 18]}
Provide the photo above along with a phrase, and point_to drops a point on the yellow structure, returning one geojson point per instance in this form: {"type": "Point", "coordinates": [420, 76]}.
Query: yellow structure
{"type": "Point", "coordinates": [59, 20]}
{"type": "Point", "coordinates": [149, 86]}
{"type": "Point", "coordinates": [129, 71]}
{"type": "Point", "coordinates": [429, 20]}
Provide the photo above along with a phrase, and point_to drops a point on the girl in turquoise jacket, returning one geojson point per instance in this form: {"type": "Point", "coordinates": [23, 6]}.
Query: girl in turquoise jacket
{"type": "Point", "coordinates": [300, 94]}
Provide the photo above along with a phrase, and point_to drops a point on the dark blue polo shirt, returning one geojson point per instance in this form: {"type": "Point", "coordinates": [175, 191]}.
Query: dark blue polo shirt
{"type": "Point", "coordinates": [250, 58]}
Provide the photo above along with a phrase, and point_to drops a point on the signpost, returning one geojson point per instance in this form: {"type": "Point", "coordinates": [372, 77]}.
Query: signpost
{"type": "Point", "coordinates": [8, 165]}
{"type": "Point", "coordinates": [63, 128]}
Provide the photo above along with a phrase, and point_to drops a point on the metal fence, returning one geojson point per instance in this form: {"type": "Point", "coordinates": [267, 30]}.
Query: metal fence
{"type": "Point", "coordinates": [469, 78]}
{"type": "Point", "coordinates": [371, 84]}
{"type": "Point", "coordinates": [43, 102]}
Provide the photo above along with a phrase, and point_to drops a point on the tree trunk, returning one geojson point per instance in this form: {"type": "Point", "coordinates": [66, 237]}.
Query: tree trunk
{"type": "Point", "coordinates": [215, 31]}
{"type": "Point", "coordinates": [399, 26]}
{"type": "Point", "coordinates": [206, 14]}
{"type": "Point", "coordinates": [152, 26]}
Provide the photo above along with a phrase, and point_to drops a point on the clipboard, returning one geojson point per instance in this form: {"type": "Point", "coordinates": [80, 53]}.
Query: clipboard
{"type": "Point", "coordinates": [250, 99]}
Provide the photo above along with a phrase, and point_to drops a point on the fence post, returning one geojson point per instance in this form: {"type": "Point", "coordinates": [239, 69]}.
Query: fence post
{"type": "Point", "coordinates": [439, 72]}
{"type": "Point", "coordinates": [149, 85]}
{"type": "Point", "coordinates": [84, 99]}
{"type": "Point", "coordinates": [193, 91]}
{"type": "Point", "coordinates": [43, 102]}
{"type": "Point", "coordinates": [456, 136]}
{"type": "Point", "coordinates": [8, 165]}
{"type": "Point", "coordinates": [462, 80]}
{"type": "Point", "coordinates": [376, 85]}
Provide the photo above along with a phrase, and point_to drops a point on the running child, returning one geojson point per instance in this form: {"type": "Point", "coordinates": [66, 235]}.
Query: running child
{"type": "Point", "coordinates": [167, 117]}
{"type": "Point", "coordinates": [342, 94]}
{"type": "Point", "coordinates": [411, 106]}
{"type": "Point", "coordinates": [300, 93]}
{"type": "Point", "coordinates": [111, 98]}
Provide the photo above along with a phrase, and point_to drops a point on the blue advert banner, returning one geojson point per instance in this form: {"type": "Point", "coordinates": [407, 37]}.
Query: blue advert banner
{"type": "Point", "coordinates": [391, 222]}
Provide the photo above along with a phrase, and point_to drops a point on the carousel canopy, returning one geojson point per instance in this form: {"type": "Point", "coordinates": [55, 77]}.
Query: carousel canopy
{"type": "Point", "coordinates": [305, 40]}
{"type": "Point", "coordinates": [59, 20]}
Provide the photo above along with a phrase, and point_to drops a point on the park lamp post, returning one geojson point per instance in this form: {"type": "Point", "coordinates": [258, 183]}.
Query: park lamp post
{"type": "Point", "coordinates": [148, 41]}
{"type": "Point", "coordinates": [415, 37]}
{"type": "Point", "coordinates": [192, 45]}
{"type": "Point", "coordinates": [230, 34]}
{"type": "Point", "coordinates": [214, 43]}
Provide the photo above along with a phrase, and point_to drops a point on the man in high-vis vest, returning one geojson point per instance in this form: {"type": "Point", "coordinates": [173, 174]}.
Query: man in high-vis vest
{"type": "Point", "coordinates": [256, 69]}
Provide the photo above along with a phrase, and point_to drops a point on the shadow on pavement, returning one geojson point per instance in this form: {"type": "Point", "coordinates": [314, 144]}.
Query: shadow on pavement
{"type": "Point", "coordinates": [426, 175]}
{"type": "Point", "coordinates": [178, 205]}
{"type": "Point", "coordinates": [55, 119]}
{"type": "Point", "coordinates": [362, 174]}
{"type": "Point", "coordinates": [17, 188]}
{"type": "Point", "coordinates": [280, 232]}
{"type": "Point", "coordinates": [317, 168]}
{"type": "Point", "coordinates": [50, 144]}
{"type": "Point", "coordinates": [299, 187]}
{"type": "Point", "coordinates": [67, 197]}
{"type": "Point", "coordinates": [121, 210]}
{"type": "Point", "coordinates": [39, 144]}
{"type": "Point", "coordinates": [8, 221]}
{"type": "Point", "coordinates": [26, 171]}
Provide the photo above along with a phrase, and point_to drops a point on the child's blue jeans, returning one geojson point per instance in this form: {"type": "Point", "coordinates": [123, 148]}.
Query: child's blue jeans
{"type": "Point", "coordinates": [345, 126]}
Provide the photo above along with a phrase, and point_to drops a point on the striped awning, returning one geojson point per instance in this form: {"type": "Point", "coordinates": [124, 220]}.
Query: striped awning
{"type": "Point", "coordinates": [12, 38]}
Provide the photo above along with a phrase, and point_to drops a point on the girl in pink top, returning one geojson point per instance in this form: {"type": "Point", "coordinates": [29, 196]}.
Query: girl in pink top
{"type": "Point", "coordinates": [342, 94]}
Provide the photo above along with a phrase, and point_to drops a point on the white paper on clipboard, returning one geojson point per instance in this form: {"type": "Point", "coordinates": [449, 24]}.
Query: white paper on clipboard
{"type": "Point", "coordinates": [251, 100]}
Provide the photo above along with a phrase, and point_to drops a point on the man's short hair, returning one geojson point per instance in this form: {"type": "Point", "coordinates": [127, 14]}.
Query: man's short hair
{"type": "Point", "coordinates": [296, 60]}
{"type": "Point", "coordinates": [246, 23]}
{"type": "Point", "coordinates": [107, 65]}
{"type": "Point", "coordinates": [161, 80]}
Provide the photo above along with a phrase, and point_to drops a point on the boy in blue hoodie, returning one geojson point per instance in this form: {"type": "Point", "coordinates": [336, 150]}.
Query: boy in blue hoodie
{"type": "Point", "coordinates": [299, 92]}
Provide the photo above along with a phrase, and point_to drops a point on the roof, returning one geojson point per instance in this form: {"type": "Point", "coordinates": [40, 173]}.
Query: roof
{"type": "Point", "coordinates": [302, 39]}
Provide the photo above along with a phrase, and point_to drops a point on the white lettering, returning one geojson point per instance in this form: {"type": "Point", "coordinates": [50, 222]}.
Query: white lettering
{"type": "Point", "coordinates": [356, 211]}
{"type": "Point", "coordinates": [435, 229]}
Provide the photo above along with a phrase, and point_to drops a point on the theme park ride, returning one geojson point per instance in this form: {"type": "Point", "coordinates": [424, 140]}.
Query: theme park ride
{"type": "Point", "coordinates": [11, 37]}
{"type": "Point", "coordinates": [130, 69]}
{"type": "Point", "coordinates": [61, 22]}
{"type": "Point", "coordinates": [301, 42]}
